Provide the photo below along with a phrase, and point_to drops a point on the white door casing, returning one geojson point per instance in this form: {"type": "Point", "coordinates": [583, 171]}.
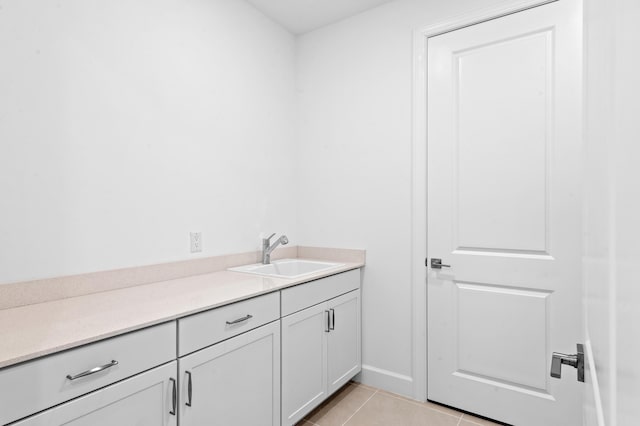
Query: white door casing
{"type": "Point", "coordinates": [504, 209]}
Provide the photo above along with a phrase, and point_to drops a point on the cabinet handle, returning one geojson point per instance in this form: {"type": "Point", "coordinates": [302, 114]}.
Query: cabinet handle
{"type": "Point", "coordinates": [326, 330]}
{"type": "Point", "coordinates": [174, 397]}
{"type": "Point", "coordinates": [94, 370]}
{"type": "Point", "coordinates": [243, 319]}
{"type": "Point", "coordinates": [189, 389]}
{"type": "Point", "coordinates": [333, 319]}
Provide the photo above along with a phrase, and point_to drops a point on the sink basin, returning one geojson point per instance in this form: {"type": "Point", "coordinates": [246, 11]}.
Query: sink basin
{"type": "Point", "coordinates": [287, 268]}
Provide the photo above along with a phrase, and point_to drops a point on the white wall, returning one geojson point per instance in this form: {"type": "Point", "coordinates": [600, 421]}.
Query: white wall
{"type": "Point", "coordinates": [598, 247]}
{"type": "Point", "coordinates": [627, 213]}
{"type": "Point", "coordinates": [125, 125]}
{"type": "Point", "coordinates": [354, 131]}
{"type": "Point", "coordinates": [612, 251]}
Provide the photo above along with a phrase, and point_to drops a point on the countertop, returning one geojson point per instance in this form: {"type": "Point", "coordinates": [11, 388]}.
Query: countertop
{"type": "Point", "coordinates": [32, 331]}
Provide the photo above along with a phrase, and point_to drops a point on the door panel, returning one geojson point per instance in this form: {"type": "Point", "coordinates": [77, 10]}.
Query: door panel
{"type": "Point", "coordinates": [304, 362]}
{"type": "Point", "coordinates": [503, 207]}
{"type": "Point", "coordinates": [524, 360]}
{"type": "Point", "coordinates": [504, 211]}
{"type": "Point", "coordinates": [343, 341]}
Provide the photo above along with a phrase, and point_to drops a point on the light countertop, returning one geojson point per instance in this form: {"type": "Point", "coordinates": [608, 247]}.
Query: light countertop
{"type": "Point", "coordinates": [31, 331]}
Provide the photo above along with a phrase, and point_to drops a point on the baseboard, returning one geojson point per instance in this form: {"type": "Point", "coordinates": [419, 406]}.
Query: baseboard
{"type": "Point", "coordinates": [386, 380]}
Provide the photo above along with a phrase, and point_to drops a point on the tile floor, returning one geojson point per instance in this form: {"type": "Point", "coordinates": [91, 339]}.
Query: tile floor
{"type": "Point", "coordinates": [357, 404]}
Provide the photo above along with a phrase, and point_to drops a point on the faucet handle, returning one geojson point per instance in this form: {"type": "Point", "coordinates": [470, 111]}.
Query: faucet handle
{"type": "Point", "coordinates": [270, 237]}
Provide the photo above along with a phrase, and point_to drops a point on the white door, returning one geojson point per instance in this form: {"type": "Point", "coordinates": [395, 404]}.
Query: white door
{"type": "Point", "coordinates": [304, 362]}
{"type": "Point", "coordinates": [148, 399]}
{"type": "Point", "coordinates": [343, 340]}
{"type": "Point", "coordinates": [504, 211]}
{"type": "Point", "coordinates": [235, 382]}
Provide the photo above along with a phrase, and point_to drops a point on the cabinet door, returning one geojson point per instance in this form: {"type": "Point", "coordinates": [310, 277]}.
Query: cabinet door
{"type": "Point", "coordinates": [343, 341]}
{"type": "Point", "coordinates": [304, 362]}
{"type": "Point", "coordinates": [146, 399]}
{"type": "Point", "coordinates": [235, 382]}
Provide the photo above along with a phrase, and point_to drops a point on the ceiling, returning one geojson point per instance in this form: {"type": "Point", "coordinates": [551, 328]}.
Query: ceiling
{"type": "Point", "coordinates": [301, 16]}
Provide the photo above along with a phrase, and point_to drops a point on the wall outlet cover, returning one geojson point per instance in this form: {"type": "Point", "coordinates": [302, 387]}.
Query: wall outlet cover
{"type": "Point", "coordinates": [196, 242]}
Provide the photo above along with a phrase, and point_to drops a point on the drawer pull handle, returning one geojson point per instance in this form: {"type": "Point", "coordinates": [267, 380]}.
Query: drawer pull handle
{"type": "Point", "coordinates": [328, 328]}
{"type": "Point", "coordinates": [174, 397]}
{"type": "Point", "coordinates": [189, 390]}
{"type": "Point", "coordinates": [94, 370]}
{"type": "Point", "coordinates": [239, 320]}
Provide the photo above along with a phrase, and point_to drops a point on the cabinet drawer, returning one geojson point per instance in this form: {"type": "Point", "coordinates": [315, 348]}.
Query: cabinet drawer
{"type": "Point", "coordinates": [206, 328]}
{"type": "Point", "coordinates": [302, 296]}
{"type": "Point", "coordinates": [33, 386]}
{"type": "Point", "coordinates": [145, 399]}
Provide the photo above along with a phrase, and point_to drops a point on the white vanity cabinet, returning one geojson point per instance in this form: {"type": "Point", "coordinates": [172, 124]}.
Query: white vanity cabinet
{"type": "Point", "coordinates": [267, 360]}
{"type": "Point", "coordinates": [234, 381]}
{"type": "Point", "coordinates": [320, 341]}
{"type": "Point", "coordinates": [148, 399]}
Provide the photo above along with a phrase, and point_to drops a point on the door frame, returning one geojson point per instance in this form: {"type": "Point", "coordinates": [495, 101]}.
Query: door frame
{"type": "Point", "coordinates": [419, 171]}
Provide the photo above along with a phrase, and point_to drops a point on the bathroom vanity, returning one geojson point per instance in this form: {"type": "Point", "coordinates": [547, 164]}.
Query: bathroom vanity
{"type": "Point", "coordinates": [260, 350]}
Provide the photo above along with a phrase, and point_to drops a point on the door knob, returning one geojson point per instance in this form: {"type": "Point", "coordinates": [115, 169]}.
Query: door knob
{"type": "Point", "coordinates": [575, 361]}
{"type": "Point", "coordinates": [437, 264]}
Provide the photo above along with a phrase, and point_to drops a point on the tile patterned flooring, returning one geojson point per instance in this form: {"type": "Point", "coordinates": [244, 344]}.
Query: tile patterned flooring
{"type": "Point", "coordinates": [360, 405]}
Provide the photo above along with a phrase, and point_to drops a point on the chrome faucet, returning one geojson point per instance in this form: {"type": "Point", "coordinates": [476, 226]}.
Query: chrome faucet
{"type": "Point", "coordinates": [267, 247]}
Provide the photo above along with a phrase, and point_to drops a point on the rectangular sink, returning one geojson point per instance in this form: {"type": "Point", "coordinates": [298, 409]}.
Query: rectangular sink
{"type": "Point", "coordinates": [287, 268]}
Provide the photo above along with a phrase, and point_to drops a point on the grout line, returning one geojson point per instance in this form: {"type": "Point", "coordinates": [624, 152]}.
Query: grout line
{"type": "Point", "coordinates": [471, 421]}
{"type": "Point", "coordinates": [459, 421]}
{"type": "Point", "coordinates": [420, 404]}
{"type": "Point", "coordinates": [359, 408]}
{"type": "Point", "coordinates": [371, 388]}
